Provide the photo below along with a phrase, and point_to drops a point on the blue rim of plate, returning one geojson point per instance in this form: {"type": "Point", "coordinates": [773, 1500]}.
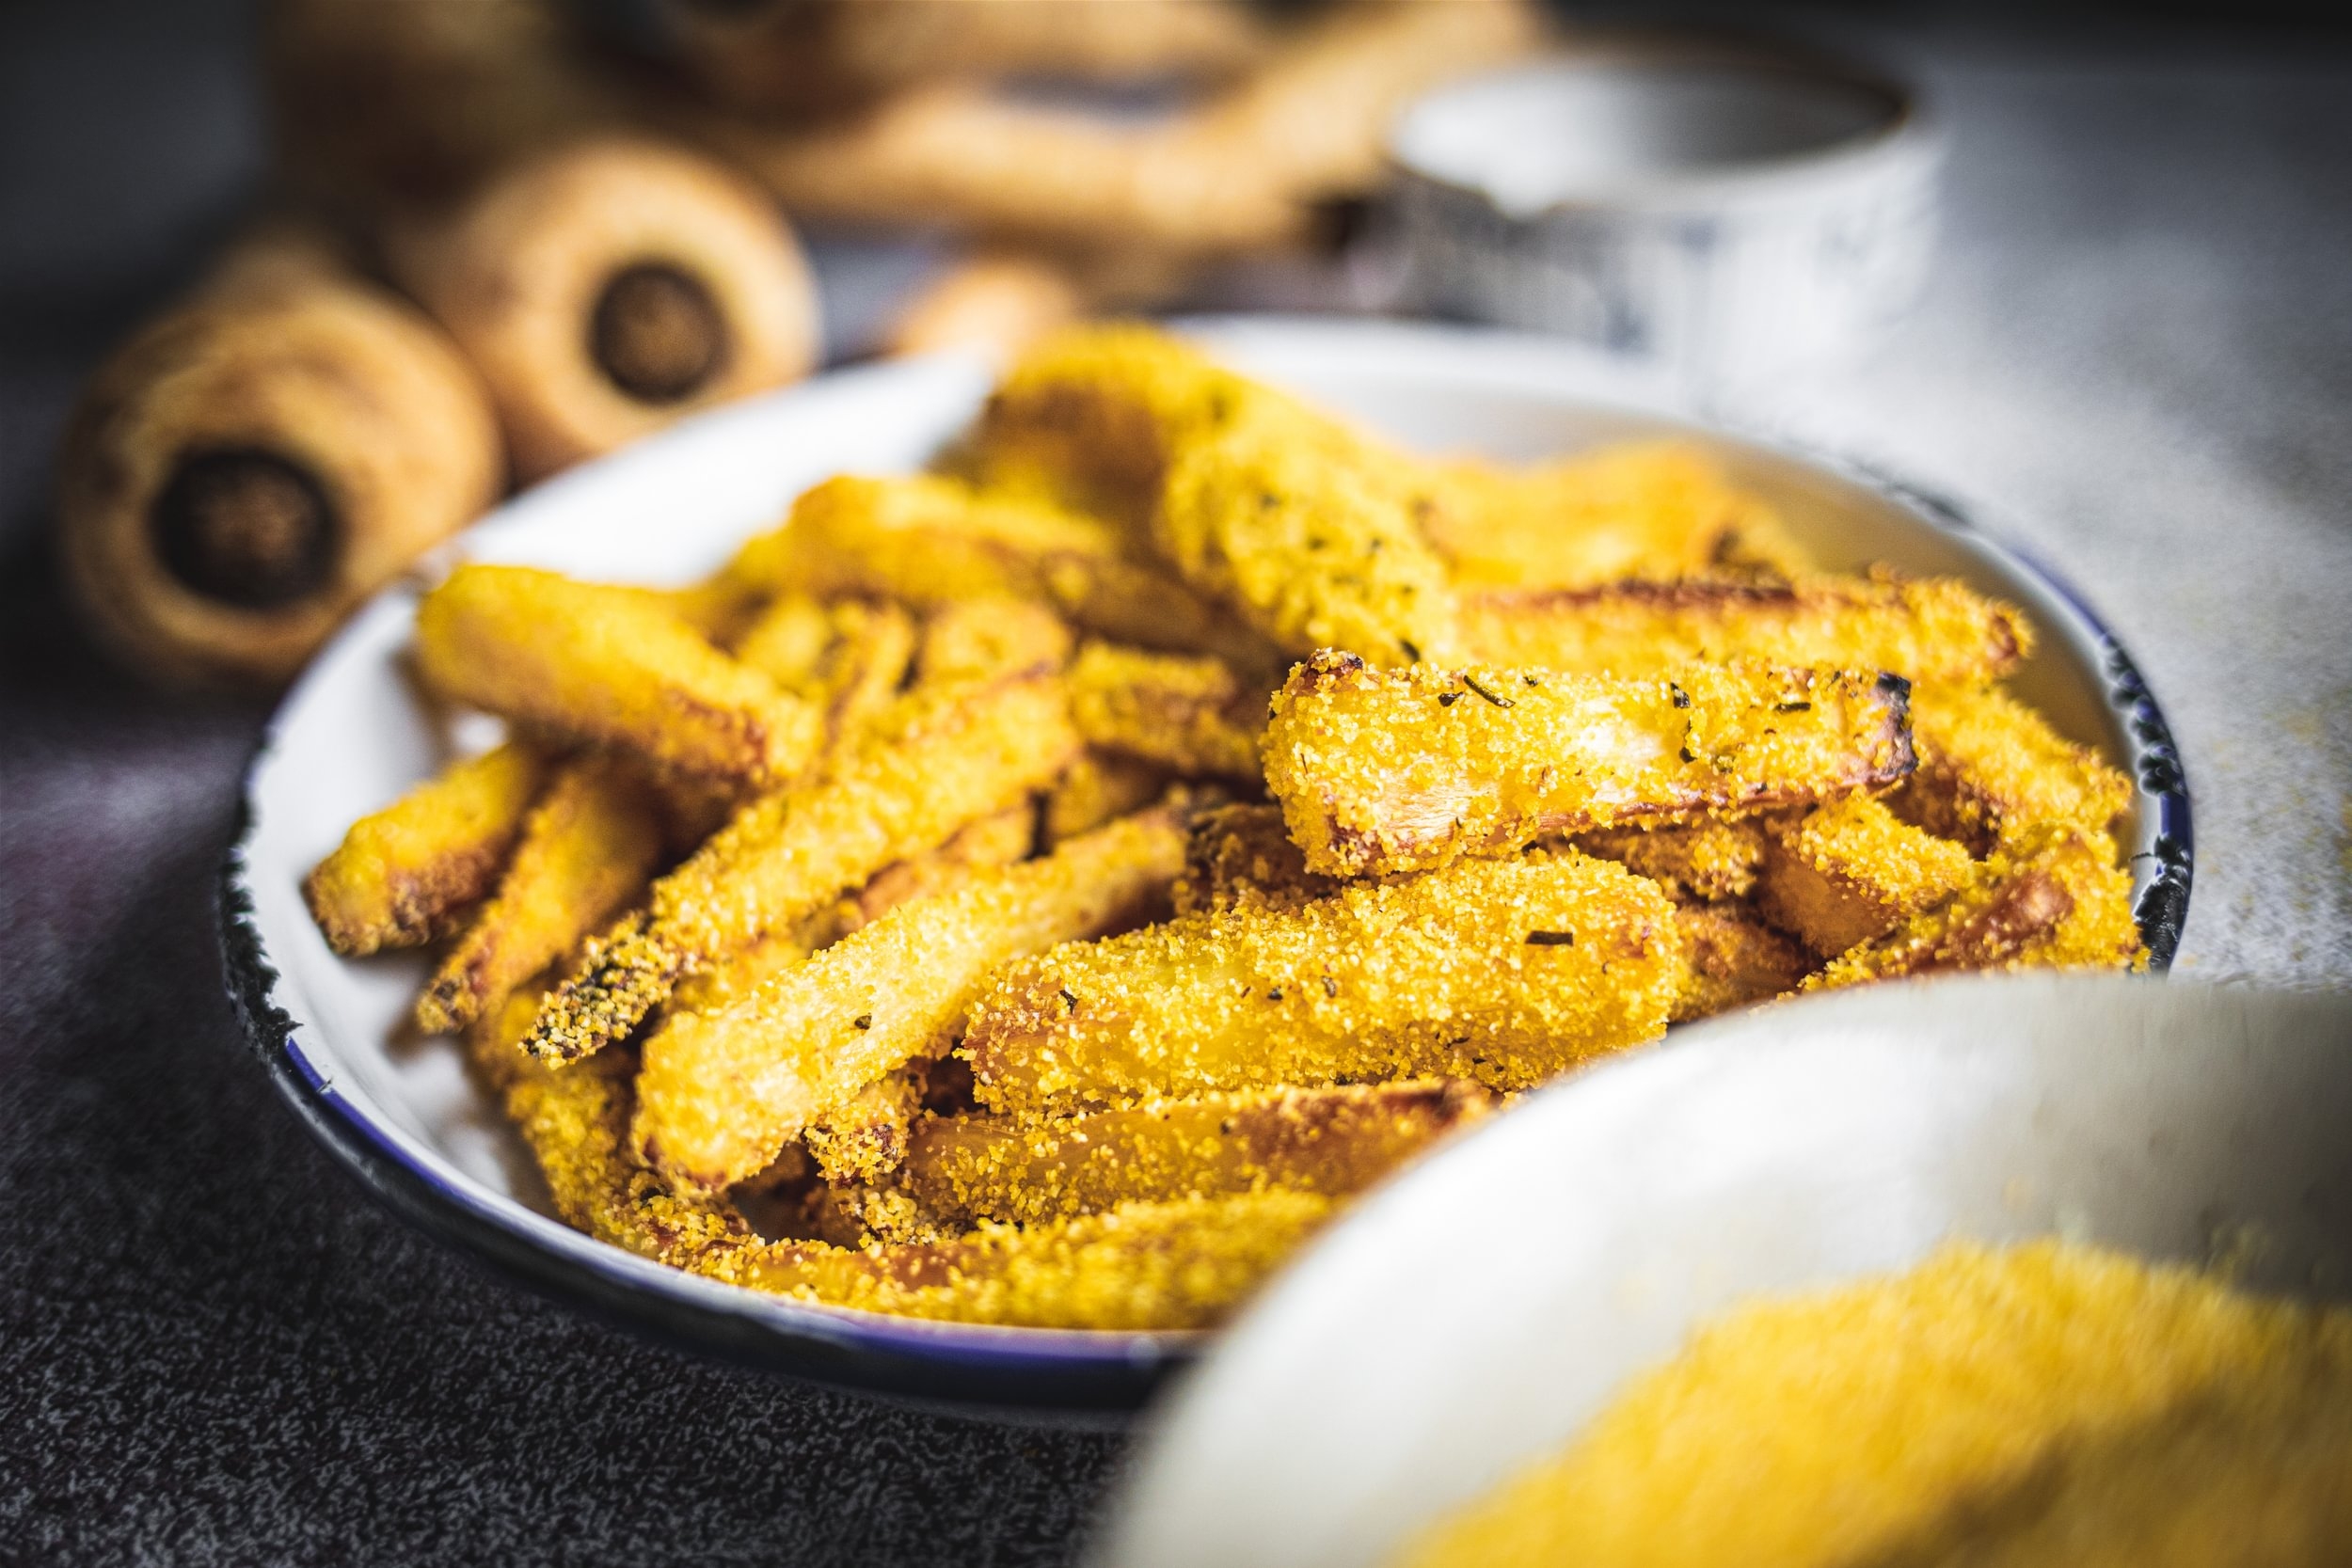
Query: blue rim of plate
{"type": "Point", "coordinates": [1030, 1375]}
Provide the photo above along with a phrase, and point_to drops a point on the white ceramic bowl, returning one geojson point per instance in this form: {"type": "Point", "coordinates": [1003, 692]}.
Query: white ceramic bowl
{"type": "Point", "coordinates": [403, 1114]}
{"type": "Point", "coordinates": [1479, 1310]}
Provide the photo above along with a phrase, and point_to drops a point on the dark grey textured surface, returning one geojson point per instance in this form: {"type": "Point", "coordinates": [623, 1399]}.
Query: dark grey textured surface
{"type": "Point", "coordinates": [213, 1349]}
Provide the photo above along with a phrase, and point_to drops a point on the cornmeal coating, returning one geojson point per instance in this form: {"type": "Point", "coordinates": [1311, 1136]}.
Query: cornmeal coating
{"type": "Point", "coordinates": [1334, 1141]}
{"type": "Point", "coordinates": [984, 844]}
{"type": "Point", "coordinates": [1923, 630]}
{"type": "Point", "coordinates": [1095, 416]}
{"type": "Point", "coordinates": [1241, 852]}
{"type": "Point", "coordinates": [1313, 540]}
{"type": "Point", "coordinates": [940, 759]}
{"type": "Point", "coordinates": [861, 670]}
{"type": "Point", "coordinates": [1846, 873]}
{"type": "Point", "coordinates": [608, 665]}
{"type": "Point", "coordinates": [1382, 771]}
{"type": "Point", "coordinates": [983, 639]}
{"type": "Point", "coordinates": [575, 1123]}
{"type": "Point", "coordinates": [1732, 957]}
{"type": "Point", "coordinates": [786, 642]}
{"type": "Point", "coordinates": [405, 875]}
{"type": "Point", "coordinates": [1656, 509]}
{"type": "Point", "coordinates": [1992, 772]}
{"type": "Point", "coordinates": [1099, 787]}
{"type": "Point", "coordinates": [585, 850]}
{"type": "Point", "coordinates": [1188, 715]}
{"type": "Point", "coordinates": [864, 1137]}
{"type": "Point", "coordinates": [1867, 1423]}
{"type": "Point", "coordinates": [722, 1092]}
{"type": "Point", "coordinates": [1706, 861]}
{"type": "Point", "coordinates": [1141, 1266]}
{"type": "Point", "coordinates": [1505, 972]}
{"type": "Point", "coordinates": [2063, 905]}
{"type": "Point", "coordinates": [930, 539]}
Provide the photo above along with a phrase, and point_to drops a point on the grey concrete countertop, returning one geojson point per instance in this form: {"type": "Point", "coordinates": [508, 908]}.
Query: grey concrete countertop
{"type": "Point", "coordinates": [2137, 354]}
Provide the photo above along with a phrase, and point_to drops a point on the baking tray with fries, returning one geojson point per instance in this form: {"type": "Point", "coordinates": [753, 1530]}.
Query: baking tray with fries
{"type": "Point", "coordinates": [943, 882]}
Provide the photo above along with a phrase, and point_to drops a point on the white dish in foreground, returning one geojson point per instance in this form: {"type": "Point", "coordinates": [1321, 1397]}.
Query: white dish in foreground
{"type": "Point", "coordinates": [403, 1114]}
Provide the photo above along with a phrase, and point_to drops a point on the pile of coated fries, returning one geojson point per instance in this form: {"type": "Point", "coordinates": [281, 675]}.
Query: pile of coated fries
{"type": "Point", "coordinates": [1037, 892]}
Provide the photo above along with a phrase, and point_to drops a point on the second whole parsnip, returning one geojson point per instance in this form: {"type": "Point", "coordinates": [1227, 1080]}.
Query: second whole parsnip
{"type": "Point", "coordinates": [722, 1092]}
{"type": "Point", "coordinates": [1382, 771]}
{"type": "Point", "coordinates": [1505, 972]}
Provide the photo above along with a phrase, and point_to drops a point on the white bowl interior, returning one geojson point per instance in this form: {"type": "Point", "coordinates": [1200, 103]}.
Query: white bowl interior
{"type": "Point", "coordinates": [355, 733]}
{"type": "Point", "coordinates": [1486, 1306]}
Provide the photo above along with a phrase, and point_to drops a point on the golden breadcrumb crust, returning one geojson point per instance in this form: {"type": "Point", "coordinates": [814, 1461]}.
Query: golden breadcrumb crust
{"type": "Point", "coordinates": [1706, 861]}
{"type": "Point", "coordinates": [1243, 852]}
{"type": "Point", "coordinates": [1731, 958]}
{"type": "Point", "coordinates": [1923, 630]}
{"type": "Point", "coordinates": [608, 666]}
{"type": "Point", "coordinates": [1845, 873]}
{"type": "Point", "coordinates": [1387, 770]}
{"type": "Point", "coordinates": [1658, 510]}
{"type": "Point", "coordinates": [405, 875]}
{"type": "Point", "coordinates": [1333, 1140]}
{"type": "Point", "coordinates": [722, 1092]}
{"type": "Point", "coordinates": [939, 760]}
{"type": "Point", "coordinates": [585, 850]}
{"type": "Point", "coordinates": [1187, 715]}
{"type": "Point", "coordinates": [1505, 972]}
{"type": "Point", "coordinates": [1992, 772]}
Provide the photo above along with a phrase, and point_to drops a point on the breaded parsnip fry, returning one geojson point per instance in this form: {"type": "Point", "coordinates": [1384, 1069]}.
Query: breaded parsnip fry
{"type": "Point", "coordinates": [402, 875]}
{"type": "Point", "coordinates": [1333, 1141]}
{"type": "Point", "coordinates": [1992, 772]}
{"type": "Point", "coordinates": [1705, 862]}
{"type": "Point", "coordinates": [1501, 970]}
{"type": "Point", "coordinates": [978, 640]}
{"type": "Point", "coordinates": [928, 539]}
{"type": "Point", "coordinates": [1185, 1264]}
{"type": "Point", "coordinates": [788, 641]}
{"type": "Point", "coordinates": [1655, 510]}
{"type": "Point", "coordinates": [861, 669]}
{"type": "Point", "coordinates": [722, 1092]}
{"type": "Point", "coordinates": [1314, 539]}
{"type": "Point", "coordinates": [1731, 958]}
{"type": "Point", "coordinates": [1849, 871]}
{"type": "Point", "coordinates": [1382, 771]}
{"type": "Point", "coordinates": [999, 839]}
{"type": "Point", "coordinates": [586, 849]}
{"type": "Point", "coordinates": [864, 1138]}
{"type": "Point", "coordinates": [608, 665]}
{"type": "Point", "coordinates": [1930, 629]}
{"type": "Point", "coordinates": [937, 761]}
{"type": "Point", "coordinates": [2064, 905]}
{"type": "Point", "coordinates": [1241, 852]}
{"type": "Point", "coordinates": [1099, 787]}
{"type": "Point", "coordinates": [1095, 416]}
{"type": "Point", "coordinates": [1190, 715]}
{"type": "Point", "coordinates": [574, 1123]}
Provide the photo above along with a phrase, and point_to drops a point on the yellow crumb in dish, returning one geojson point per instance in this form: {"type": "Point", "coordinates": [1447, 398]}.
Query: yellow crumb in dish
{"type": "Point", "coordinates": [1706, 861]}
{"type": "Point", "coordinates": [1190, 715]}
{"type": "Point", "coordinates": [1915, 1419]}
